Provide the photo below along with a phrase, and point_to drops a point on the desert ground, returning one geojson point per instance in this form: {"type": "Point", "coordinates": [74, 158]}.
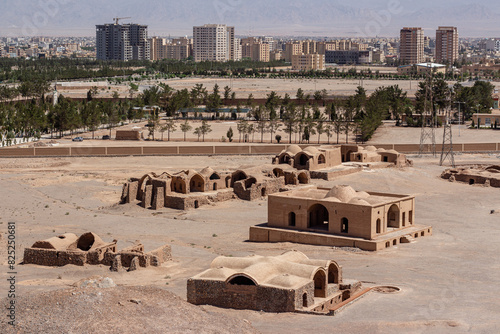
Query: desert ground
{"type": "Point", "coordinates": [449, 282]}
{"type": "Point", "coordinates": [259, 88]}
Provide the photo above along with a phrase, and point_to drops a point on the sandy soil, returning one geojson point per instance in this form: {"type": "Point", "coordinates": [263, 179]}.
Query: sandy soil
{"type": "Point", "coordinates": [388, 133]}
{"type": "Point", "coordinates": [449, 282]}
{"type": "Point", "coordinates": [258, 87]}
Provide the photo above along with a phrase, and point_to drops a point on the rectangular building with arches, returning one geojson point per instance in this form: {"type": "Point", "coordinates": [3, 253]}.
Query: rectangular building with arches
{"type": "Point", "coordinates": [290, 282]}
{"type": "Point", "coordinates": [341, 217]}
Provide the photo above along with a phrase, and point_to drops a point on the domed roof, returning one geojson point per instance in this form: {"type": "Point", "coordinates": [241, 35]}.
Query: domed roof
{"type": "Point", "coordinates": [311, 150]}
{"type": "Point", "coordinates": [332, 199]}
{"type": "Point", "coordinates": [362, 194]}
{"type": "Point", "coordinates": [380, 149]}
{"type": "Point", "coordinates": [207, 171]}
{"type": "Point", "coordinates": [371, 148]}
{"type": "Point", "coordinates": [293, 150]}
{"type": "Point", "coordinates": [343, 193]}
{"type": "Point", "coordinates": [358, 201]}
{"type": "Point", "coordinates": [393, 152]}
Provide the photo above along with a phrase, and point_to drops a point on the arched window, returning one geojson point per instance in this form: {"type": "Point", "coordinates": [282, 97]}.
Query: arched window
{"type": "Point", "coordinates": [379, 226]}
{"type": "Point", "coordinates": [304, 300]}
{"type": "Point", "coordinates": [321, 159]}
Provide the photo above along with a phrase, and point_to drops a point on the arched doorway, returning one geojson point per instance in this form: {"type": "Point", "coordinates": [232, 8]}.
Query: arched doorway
{"type": "Point", "coordinates": [379, 226]}
{"type": "Point", "coordinates": [393, 216]}
{"type": "Point", "coordinates": [333, 273]}
{"type": "Point", "coordinates": [238, 176]}
{"type": "Point", "coordinates": [301, 161]}
{"type": "Point", "coordinates": [304, 300]}
{"type": "Point", "coordinates": [292, 219]}
{"type": "Point", "coordinates": [320, 284]}
{"type": "Point", "coordinates": [284, 159]}
{"type": "Point", "coordinates": [303, 179]}
{"type": "Point", "coordinates": [318, 217]}
{"type": "Point", "coordinates": [321, 159]}
{"type": "Point", "coordinates": [197, 184]}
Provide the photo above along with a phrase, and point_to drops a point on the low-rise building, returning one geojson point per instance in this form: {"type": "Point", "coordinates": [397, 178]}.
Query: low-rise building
{"type": "Point", "coordinates": [308, 62]}
{"type": "Point", "coordinates": [290, 282]}
{"type": "Point", "coordinates": [342, 217]}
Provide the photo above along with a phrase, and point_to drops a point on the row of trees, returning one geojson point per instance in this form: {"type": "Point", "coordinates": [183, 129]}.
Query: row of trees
{"type": "Point", "coordinates": [24, 70]}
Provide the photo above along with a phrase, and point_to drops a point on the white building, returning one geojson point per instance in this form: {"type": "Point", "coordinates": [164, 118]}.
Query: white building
{"type": "Point", "coordinates": [213, 42]}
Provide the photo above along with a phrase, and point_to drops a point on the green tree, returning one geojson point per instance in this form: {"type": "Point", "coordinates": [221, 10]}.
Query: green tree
{"type": "Point", "coordinates": [230, 134]}
{"type": "Point", "coordinates": [169, 127]}
{"type": "Point", "coordinates": [185, 128]}
{"type": "Point", "coordinates": [205, 129]}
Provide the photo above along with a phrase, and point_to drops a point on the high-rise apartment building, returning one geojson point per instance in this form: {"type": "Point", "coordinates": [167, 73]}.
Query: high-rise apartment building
{"type": "Point", "coordinates": [292, 49]}
{"type": "Point", "coordinates": [447, 45]}
{"type": "Point", "coordinates": [411, 45]}
{"type": "Point", "coordinates": [122, 42]}
{"type": "Point", "coordinates": [213, 42]}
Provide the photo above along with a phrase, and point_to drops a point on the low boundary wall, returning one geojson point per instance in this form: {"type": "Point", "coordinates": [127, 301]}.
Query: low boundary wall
{"type": "Point", "coordinates": [213, 150]}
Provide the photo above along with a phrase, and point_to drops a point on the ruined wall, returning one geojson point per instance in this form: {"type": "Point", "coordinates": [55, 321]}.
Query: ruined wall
{"type": "Point", "coordinates": [217, 293]}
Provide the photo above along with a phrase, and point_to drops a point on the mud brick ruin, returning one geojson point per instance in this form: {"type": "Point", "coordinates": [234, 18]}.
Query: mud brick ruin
{"type": "Point", "coordinates": [326, 162]}
{"type": "Point", "coordinates": [191, 189]}
{"type": "Point", "coordinates": [90, 249]}
{"type": "Point", "coordinates": [290, 282]}
{"type": "Point", "coordinates": [483, 175]}
{"type": "Point", "coordinates": [340, 217]}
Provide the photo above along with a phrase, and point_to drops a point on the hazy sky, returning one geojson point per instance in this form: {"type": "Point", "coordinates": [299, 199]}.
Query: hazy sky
{"type": "Point", "coordinates": [363, 18]}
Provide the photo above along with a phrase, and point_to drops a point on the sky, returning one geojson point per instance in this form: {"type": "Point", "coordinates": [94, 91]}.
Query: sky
{"type": "Point", "coordinates": [334, 18]}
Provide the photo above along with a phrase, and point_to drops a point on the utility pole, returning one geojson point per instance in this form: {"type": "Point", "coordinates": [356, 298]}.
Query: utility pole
{"type": "Point", "coordinates": [428, 133]}
{"type": "Point", "coordinates": [447, 151]}
{"type": "Point", "coordinates": [459, 117]}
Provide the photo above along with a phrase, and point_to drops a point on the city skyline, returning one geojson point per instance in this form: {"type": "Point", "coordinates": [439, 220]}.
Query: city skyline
{"type": "Point", "coordinates": [316, 18]}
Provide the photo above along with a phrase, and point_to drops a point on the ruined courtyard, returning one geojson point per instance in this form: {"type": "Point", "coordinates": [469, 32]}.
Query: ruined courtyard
{"type": "Point", "coordinates": [448, 282]}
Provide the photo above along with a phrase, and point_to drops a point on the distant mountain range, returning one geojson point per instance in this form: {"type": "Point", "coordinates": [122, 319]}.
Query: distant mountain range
{"type": "Point", "coordinates": [256, 17]}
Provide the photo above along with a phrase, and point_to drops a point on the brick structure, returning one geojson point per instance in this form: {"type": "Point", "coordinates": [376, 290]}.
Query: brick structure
{"type": "Point", "coordinates": [474, 175]}
{"type": "Point", "coordinates": [90, 249]}
{"type": "Point", "coordinates": [191, 189]}
{"type": "Point", "coordinates": [341, 217]}
{"type": "Point", "coordinates": [290, 282]}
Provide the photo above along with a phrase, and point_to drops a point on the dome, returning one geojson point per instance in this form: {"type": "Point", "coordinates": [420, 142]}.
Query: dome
{"type": "Point", "coordinates": [358, 201]}
{"type": "Point", "coordinates": [207, 171]}
{"type": "Point", "coordinates": [293, 150]}
{"type": "Point", "coordinates": [343, 193]}
{"type": "Point", "coordinates": [381, 150]}
{"type": "Point", "coordinates": [371, 148]}
{"type": "Point", "coordinates": [362, 194]}
{"type": "Point", "coordinates": [332, 199]}
{"type": "Point", "coordinates": [311, 150]}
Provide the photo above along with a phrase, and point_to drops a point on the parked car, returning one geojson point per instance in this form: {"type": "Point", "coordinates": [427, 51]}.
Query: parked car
{"type": "Point", "coordinates": [106, 137]}
{"type": "Point", "coordinates": [78, 139]}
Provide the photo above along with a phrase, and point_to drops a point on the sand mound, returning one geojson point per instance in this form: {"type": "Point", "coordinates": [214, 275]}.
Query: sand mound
{"type": "Point", "coordinates": [116, 310]}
